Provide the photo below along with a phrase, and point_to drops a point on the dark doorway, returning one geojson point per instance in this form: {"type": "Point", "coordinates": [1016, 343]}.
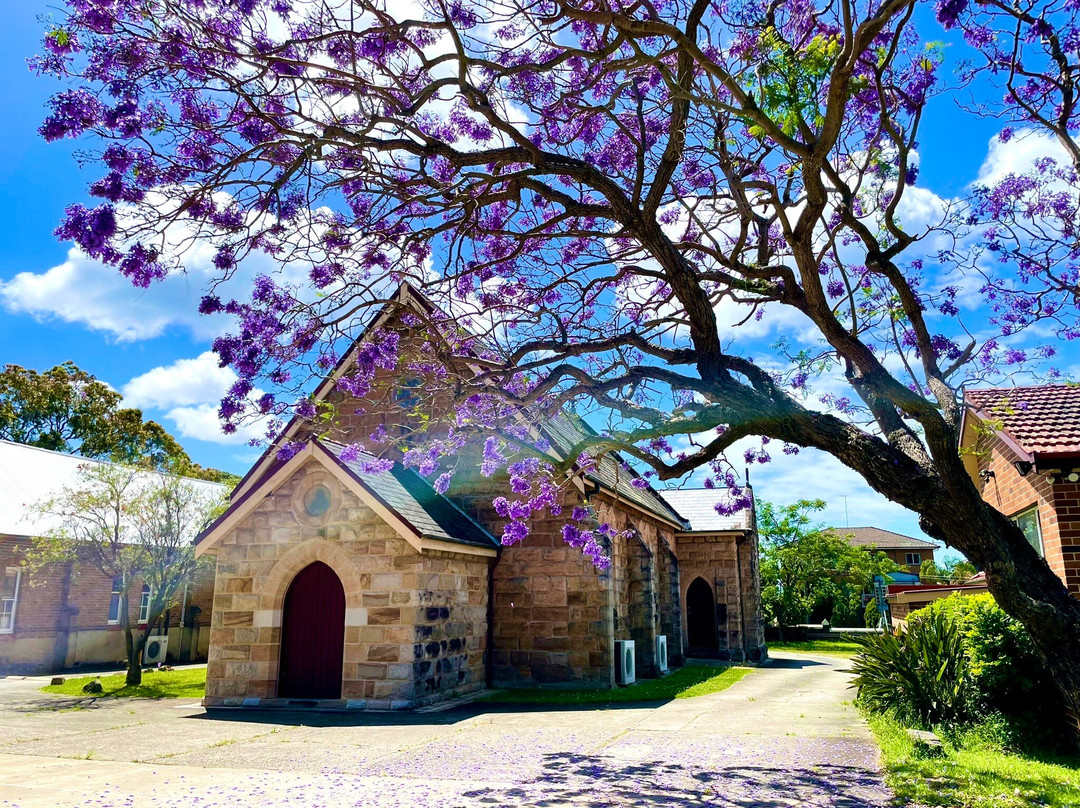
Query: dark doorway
{"type": "Point", "coordinates": [700, 617]}
{"type": "Point", "coordinates": [312, 635]}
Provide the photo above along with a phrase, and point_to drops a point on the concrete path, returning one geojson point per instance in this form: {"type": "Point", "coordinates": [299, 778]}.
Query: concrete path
{"type": "Point", "coordinates": [786, 735]}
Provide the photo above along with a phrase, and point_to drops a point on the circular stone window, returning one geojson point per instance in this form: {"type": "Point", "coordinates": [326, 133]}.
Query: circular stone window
{"type": "Point", "coordinates": [317, 501]}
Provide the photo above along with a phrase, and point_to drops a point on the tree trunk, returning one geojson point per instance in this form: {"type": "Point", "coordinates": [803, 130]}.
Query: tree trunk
{"type": "Point", "coordinates": [133, 649]}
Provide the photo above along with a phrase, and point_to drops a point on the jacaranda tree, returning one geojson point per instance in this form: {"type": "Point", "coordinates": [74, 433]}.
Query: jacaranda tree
{"type": "Point", "coordinates": [588, 189]}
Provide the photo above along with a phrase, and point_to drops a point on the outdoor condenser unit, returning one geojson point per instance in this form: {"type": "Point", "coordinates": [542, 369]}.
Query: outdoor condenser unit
{"type": "Point", "coordinates": [155, 649]}
{"type": "Point", "coordinates": [661, 653]}
{"type": "Point", "coordinates": [624, 662]}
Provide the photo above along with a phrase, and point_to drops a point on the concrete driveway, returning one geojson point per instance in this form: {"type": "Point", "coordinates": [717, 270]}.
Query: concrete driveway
{"type": "Point", "coordinates": [785, 735]}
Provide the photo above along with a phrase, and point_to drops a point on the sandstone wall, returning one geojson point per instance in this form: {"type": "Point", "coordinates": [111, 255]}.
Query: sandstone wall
{"type": "Point", "coordinates": [415, 624]}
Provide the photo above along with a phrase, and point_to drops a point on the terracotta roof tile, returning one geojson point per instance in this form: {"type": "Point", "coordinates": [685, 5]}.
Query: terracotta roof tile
{"type": "Point", "coordinates": [1043, 419]}
{"type": "Point", "coordinates": [881, 539]}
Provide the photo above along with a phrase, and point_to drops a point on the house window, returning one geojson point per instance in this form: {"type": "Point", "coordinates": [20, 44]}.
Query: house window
{"type": "Point", "coordinates": [144, 604]}
{"type": "Point", "coordinates": [9, 599]}
{"type": "Point", "coordinates": [1028, 522]}
{"type": "Point", "coordinates": [114, 601]}
{"type": "Point", "coordinates": [914, 559]}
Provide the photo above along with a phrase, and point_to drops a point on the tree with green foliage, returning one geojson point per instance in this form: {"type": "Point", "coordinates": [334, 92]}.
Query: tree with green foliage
{"type": "Point", "coordinates": [930, 572]}
{"type": "Point", "coordinates": [807, 570]}
{"type": "Point", "coordinates": [953, 571]}
{"type": "Point", "coordinates": [66, 409]}
{"type": "Point", "coordinates": [129, 525]}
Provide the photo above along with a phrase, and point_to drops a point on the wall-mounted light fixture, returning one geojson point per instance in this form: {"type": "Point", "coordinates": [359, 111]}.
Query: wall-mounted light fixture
{"type": "Point", "coordinates": [1023, 467]}
{"type": "Point", "coordinates": [986, 474]}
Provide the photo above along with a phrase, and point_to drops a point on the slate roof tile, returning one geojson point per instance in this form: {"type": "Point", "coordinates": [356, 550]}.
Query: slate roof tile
{"type": "Point", "coordinates": [698, 507]}
{"type": "Point", "coordinates": [415, 501]}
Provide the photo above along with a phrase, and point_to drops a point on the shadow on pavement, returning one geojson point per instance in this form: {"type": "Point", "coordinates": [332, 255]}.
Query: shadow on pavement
{"type": "Point", "coordinates": [284, 716]}
{"type": "Point", "coordinates": [599, 781]}
{"type": "Point", "coordinates": [793, 664]}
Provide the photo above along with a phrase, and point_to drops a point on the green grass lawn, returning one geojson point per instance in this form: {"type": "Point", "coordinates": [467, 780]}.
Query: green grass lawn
{"type": "Point", "coordinates": [186, 683]}
{"type": "Point", "coordinates": [975, 776]}
{"type": "Point", "coordinates": [843, 648]}
{"type": "Point", "coordinates": [684, 683]}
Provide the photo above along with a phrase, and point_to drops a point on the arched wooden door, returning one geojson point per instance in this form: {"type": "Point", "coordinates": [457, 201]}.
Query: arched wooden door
{"type": "Point", "coordinates": [312, 635]}
{"type": "Point", "coordinates": [700, 616]}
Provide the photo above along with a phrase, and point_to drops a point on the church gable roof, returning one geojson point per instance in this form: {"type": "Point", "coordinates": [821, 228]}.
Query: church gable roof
{"type": "Point", "coordinates": [564, 430]}
{"type": "Point", "coordinates": [410, 496]}
{"type": "Point", "coordinates": [420, 515]}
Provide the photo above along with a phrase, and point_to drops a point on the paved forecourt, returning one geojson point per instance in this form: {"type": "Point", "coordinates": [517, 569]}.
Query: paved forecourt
{"type": "Point", "coordinates": [785, 735]}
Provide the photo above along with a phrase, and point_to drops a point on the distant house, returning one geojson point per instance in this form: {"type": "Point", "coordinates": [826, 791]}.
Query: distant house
{"type": "Point", "coordinates": [68, 615]}
{"type": "Point", "coordinates": [903, 599]}
{"type": "Point", "coordinates": [907, 551]}
{"type": "Point", "coordinates": [1021, 446]}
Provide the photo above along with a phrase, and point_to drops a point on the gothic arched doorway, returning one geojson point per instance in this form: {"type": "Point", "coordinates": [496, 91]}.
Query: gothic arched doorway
{"type": "Point", "coordinates": [700, 617]}
{"type": "Point", "coordinates": [312, 635]}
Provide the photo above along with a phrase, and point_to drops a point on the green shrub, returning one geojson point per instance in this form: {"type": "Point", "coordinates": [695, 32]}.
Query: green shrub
{"type": "Point", "coordinates": [920, 675]}
{"type": "Point", "coordinates": [964, 665]}
{"type": "Point", "coordinates": [1008, 675]}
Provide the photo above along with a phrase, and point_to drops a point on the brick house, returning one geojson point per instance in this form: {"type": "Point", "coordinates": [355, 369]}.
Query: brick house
{"type": "Point", "coordinates": [337, 585]}
{"type": "Point", "coordinates": [906, 551]}
{"type": "Point", "coordinates": [66, 614]}
{"type": "Point", "coordinates": [1021, 446]}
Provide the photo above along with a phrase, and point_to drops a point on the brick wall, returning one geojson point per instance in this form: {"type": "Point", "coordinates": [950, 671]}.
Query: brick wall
{"type": "Point", "coordinates": [62, 615]}
{"type": "Point", "coordinates": [415, 624]}
{"type": "Point", "coordinates": [1057, 500]}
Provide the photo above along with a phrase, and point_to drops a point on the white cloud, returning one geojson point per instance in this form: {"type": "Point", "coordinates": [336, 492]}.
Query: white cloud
{"type": "Point", "coordinates": [811, 474]}
{"type": "Point", "coordinates": [188, 392]}
{"type": "Point", "coordinates": [201, 423]}
{"type": "Point", "coordinates": [183, 383]}
{"type": "Point", "coordinates": [82, 290]}
{"type": "Point", "coordinates": [1018, 155]}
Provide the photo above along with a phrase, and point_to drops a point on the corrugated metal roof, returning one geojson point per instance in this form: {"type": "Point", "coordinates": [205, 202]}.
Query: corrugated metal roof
{"type": "Point", "coordinates": [29, 475]}
{"type": "Point", "coordinates": [698, 507]}
{"type": "Point", "coordinates": [881, 539]}
{"type": "Point", "coordinates": [415, 501]}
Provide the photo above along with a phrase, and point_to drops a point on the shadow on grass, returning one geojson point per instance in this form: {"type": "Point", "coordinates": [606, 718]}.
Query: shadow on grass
{"type": "Point", "coordinates": [603, 781]}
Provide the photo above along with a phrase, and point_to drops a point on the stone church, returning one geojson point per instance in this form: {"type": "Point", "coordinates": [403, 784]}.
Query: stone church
{"type": "Point", "coordinates": [337, 586]}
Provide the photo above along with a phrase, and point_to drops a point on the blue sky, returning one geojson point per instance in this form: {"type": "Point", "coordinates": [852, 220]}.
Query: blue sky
{"type": "Point", "coordinates": [150, 344]}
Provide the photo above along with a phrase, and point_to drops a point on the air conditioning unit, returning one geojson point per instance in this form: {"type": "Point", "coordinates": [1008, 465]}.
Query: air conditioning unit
{"type": "Point", "coordinates": [624, 662]}
{"type": "Point", "coordinates": [661, 653]}
{"type": "Point", "coordinates": [155, 649]}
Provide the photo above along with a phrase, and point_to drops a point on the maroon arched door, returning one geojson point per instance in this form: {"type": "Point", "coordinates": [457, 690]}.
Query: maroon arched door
{"type": "Point", "coordinates": [312, 635]}
{"type": "Point", "coordinates": [700, 618]}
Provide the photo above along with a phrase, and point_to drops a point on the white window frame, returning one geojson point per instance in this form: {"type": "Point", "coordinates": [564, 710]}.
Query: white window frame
{"type": "Point", "coordinates": [144, 604]}
{"type": "Point", "coordinates": [114, 591]}
{"type": "Point", "coordinates": [1034, 509]}
{"type": "Point", "coordinates": [14, 600]}
{"type": "Point", "coordinates": [917, 556]}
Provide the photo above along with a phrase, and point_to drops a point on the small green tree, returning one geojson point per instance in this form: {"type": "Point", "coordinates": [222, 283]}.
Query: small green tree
{"type": "Point", "coordinates": [806, 569]}
{"type": "Point", "coordinates": [128, 524]}
{"type": "Point", "coordinates": [930, 573]}
{"type": "Point", "coordinates": [960, 572]}
{"type": "Point", "coordinates": [66, 409]}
